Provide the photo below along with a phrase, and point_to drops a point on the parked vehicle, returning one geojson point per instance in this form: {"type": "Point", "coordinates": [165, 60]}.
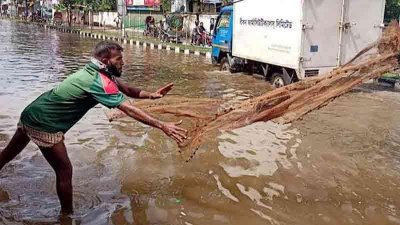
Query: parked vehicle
{"type": "Point", "coordinates": [150, 27]}
{"type": "Point", "coordinates": [57, 19]}
{"type": "Point", "coordinates": [288, 40]}
{"type": "Point", "coordinates": [170, 30]}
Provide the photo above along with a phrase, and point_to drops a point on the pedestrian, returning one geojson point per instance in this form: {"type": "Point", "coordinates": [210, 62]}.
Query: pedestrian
{"type": "Point", "coordinates": [202, 34]}
{"type": "Point", "coordinates": [195, 33]}
{"type": "Point", "coordinates": [201, 28]}
{"type": "Point", "coordinates": [52, 114]}
{"type": "Point", "coordinates": [116, 20]}
{"type": "Point", "coordinates": [212, 25]}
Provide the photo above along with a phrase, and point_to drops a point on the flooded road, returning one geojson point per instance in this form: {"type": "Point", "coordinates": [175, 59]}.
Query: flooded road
{"type": "Point", "coordinates": [339, 165]}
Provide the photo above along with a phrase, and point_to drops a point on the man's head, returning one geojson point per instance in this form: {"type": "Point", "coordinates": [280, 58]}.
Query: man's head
{"type": "Point", "coordinates": [110, 53]}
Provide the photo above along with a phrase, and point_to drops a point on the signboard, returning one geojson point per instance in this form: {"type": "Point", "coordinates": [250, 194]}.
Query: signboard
{"type": "Point", "coordinates": [121, 9]}
{"type": "Point", "coordinates": [137, 2]}
{"type": "Point", "coordinates": [147, 3]}
{"type": "Point", "coordinates": [152, 3]}
{"type": "Point", "coordinates": [143, 4]}
{"type": "Point", "coordinates": [212, 1]}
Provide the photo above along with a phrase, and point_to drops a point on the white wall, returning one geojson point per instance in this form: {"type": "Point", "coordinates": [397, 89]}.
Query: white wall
{"type": "Point", "coordinates": [176, 5]}
{"type": "Point", "coordinates": [189, 22]}
{"type": "Point", "coordinates": [105, 18]}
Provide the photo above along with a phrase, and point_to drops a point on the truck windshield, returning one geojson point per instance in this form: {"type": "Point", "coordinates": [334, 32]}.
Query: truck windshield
{"type": "Point", "coordinates": [223, 21]}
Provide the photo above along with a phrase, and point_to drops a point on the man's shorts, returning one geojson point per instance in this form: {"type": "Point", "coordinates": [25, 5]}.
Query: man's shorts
{"type": "Point", "coordinates": [41, 138]}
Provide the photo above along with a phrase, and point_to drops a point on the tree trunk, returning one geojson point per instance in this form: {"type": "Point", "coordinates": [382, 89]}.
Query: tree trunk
{"type": "Point", "coordinates": [69, 16]}
{"type": "Point", "coordinates": [26, 10]}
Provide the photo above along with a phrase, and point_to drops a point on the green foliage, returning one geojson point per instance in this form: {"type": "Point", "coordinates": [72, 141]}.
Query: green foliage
{"type": "Point", "coordinates": [59, 7]}
{"type": "Point", "coordinates": [226, 2]}
{"type": "Point", "coordinates": [166, 5]}
{"type": "Point", "coordinates": [94, 5]}
{"type": "Point", "coordinates": [106, 5]}
{"type": "Point", "coordinates": [392, 10]}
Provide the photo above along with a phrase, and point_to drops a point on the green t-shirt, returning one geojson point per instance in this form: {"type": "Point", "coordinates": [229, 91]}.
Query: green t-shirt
{"type": "Point", "coordinates": [59, 109]}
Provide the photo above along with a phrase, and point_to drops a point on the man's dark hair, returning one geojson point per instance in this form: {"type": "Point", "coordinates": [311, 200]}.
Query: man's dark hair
{"type": "Point", "coordinates": [103, 49]}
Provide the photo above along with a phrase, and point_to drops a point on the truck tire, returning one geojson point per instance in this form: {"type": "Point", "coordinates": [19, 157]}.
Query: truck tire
{"type": "Point", "coordinates": [279, 80]}
{"type": "Point", "coordinates": [224, 65]}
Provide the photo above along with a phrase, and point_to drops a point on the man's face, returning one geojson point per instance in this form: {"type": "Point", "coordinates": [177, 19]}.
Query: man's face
{"type": "Point", "coordinates": [115, 62]}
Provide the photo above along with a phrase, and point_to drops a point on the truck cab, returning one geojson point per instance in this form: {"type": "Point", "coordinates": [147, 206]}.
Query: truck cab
{"type": "Point", "coordinates": [222, 53]}
{"type": "Point", "coordinates": [222, 38]}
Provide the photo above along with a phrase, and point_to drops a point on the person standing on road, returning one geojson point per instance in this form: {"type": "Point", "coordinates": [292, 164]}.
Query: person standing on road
{"type": "Point", "coordinates": [52, 114]}
{"type": "Point", "coordinates": [212, 25]}
{"type": "Point", "coordinates": [117, 20]}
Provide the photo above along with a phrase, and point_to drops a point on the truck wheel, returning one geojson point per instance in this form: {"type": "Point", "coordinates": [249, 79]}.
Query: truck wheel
{"type": "Point", "coordinates": [279, 80]}
{"type": "Point", "coordinates": [224, 65]}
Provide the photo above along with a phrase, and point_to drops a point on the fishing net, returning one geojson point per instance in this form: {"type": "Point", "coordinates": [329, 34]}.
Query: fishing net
{"type": "Point", "coordinates": [282, 105]}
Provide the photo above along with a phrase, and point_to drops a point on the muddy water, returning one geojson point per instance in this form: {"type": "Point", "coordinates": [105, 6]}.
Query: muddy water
{"type": "Point", "coordinates": [339, 165]}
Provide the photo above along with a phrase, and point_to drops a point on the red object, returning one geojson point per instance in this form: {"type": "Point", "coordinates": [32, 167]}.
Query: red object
{"type": "Point", "coordinates": [152, 2]}
{"type": "Point", "coordinates": [58, 15]}
{"type": "Point", "coordinates": [108, 85]}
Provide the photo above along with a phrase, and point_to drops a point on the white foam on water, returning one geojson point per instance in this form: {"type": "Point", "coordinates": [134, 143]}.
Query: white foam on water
{"type": "Point", "coordinates": [262, 145]}
{"type": "Point", "coordinates": [224, 190]}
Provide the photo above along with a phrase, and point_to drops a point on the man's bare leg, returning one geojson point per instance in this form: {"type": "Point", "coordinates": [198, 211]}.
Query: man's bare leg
{"type": "Point", "coordinates": [15, 146]}
{"type": "Point", "coordinates": [57, 157]}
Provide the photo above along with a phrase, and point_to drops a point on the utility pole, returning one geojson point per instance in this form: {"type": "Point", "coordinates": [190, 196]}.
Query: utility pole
{"type": "Point", "coordinates": [123, 17]}
{"type": "Point", "coordinates": [26, 10]}
{"type": "Point", "coordinates": [121, 9]}
{"type": "Point", "coordinates": [15, 8]}
{"type": "Point", "coordinates": [90, 18]}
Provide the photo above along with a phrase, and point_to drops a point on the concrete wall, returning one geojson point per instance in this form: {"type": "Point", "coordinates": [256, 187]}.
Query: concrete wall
{"type": "Point", "coordinates": [176, 5]}
{"type": "Point", "coordinates": [105, 18]}
{"type": "Point", "coordinates": [189, 22]}
{"type": "Point", "coordinates": [195, 6]}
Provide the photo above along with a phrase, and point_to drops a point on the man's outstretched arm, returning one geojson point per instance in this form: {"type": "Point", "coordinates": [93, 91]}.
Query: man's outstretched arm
{"type": "Point", "coordinates": [170, 129]}
{"type": "Point", "coordinates": [135, 92]}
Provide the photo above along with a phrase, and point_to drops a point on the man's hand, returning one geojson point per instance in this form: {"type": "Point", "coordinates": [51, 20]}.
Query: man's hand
{"type": "Point", "coordinates": [173, 131]}
{"type": "Point", "coordinates": [162, 91]}
{"type": "Point", "coordinates": [170, 129]}
{"type": "Point", "coordinates": [134, 92]}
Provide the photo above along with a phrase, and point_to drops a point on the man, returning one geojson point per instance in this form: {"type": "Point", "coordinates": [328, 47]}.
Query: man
{"type": "Point", "coordinates": [201, 28]}
{"type": "Point", "coordinates": [83, 19]}
{"type": "Point", "coordinates": [195, 33]}
{"type": "Point", "coordinates": [117, 20]}
{"type": "Point", "coordinates": [51, 115]}
{"type": "Point", "coordinates": [212, 25]}
{"type": "Point", "coordinates": [202, 38]}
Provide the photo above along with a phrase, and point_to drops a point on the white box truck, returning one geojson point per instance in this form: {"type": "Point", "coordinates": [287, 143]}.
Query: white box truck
{"type": "Point", "coordinates": [288, 40]}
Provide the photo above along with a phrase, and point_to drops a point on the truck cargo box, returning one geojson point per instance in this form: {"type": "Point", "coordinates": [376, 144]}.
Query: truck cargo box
{"type": "Point", "coordinates": [309, 36]}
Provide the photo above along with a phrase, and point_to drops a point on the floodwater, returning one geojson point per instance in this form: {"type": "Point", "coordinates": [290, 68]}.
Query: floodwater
{"type": "Point", "coordinates": [339, 165]}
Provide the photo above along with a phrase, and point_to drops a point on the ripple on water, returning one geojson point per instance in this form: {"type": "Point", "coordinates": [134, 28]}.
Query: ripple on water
{"type": "Point", "coordinates": [260, 147]}
{"type": "Point", "coordinates": [85, 202]}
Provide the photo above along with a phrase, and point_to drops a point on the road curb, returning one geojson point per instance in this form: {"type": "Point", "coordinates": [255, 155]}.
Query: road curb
{"type": "Point", "coordinates": [159, 46]}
